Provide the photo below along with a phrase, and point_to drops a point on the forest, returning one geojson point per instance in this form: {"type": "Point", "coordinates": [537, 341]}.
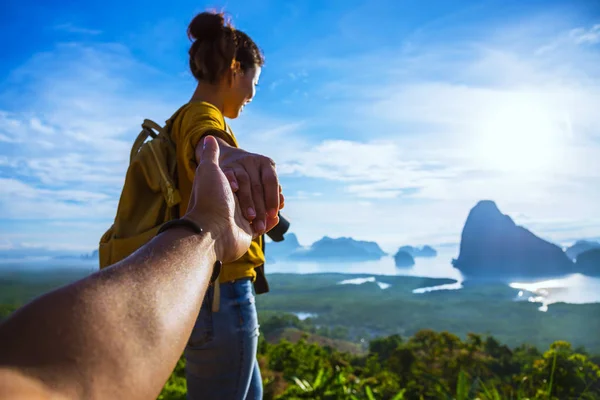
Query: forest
{"type": "Point", "coordinates": [427, 365]}
{"type": "Point", "coordinates": [361, 342]}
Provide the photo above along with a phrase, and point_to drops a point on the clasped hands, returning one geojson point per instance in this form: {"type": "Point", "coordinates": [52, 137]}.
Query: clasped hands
{"type": "Point", "coordinates": [235, 197]}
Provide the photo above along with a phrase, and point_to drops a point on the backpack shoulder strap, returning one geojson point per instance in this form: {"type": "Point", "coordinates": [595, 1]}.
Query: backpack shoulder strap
{"type": "Point", "coordinates": [169, 122]}
{"type": "Point", "coordinates": [152, 129]}
{"type": "Point", "coordinates": [147, 126]}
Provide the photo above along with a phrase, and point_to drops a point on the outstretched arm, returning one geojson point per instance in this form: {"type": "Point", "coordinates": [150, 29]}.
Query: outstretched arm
{"type": "Point", "coordinates": [119, 332]}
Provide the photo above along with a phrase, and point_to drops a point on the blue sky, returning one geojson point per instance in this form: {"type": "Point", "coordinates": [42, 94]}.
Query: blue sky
{"type": "Point", "coordinates": [388, 119]}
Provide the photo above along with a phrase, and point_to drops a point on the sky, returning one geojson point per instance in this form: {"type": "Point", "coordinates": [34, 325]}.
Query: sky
{"type": "Point", "coordinates": [389, 120]}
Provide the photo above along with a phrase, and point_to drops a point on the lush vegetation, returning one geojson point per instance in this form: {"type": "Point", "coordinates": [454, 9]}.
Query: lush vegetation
{"type": "Point", "coordinates": [428, 365]}
{"type": "Point", "coordinates": [363, 312]}
{"type": "Point", "coordinates": [363, 342]}
{"type": "Point", "coordinates": [18, 287]}
{"type": "Point", "coordinates": [366, 311]}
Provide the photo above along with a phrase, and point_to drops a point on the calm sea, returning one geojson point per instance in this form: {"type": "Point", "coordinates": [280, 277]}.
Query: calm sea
{"type": "Point", "coordinates": [575, 289]}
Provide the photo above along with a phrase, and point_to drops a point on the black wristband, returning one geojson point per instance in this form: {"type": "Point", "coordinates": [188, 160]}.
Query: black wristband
{"type": "Point", "coordinates": [187, 223]}
{"type": "Point", "coordinates": [181, 222]}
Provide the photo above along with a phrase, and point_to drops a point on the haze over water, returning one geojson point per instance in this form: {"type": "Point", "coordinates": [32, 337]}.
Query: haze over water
{"type": "Point", "coordinates": [575, 289]}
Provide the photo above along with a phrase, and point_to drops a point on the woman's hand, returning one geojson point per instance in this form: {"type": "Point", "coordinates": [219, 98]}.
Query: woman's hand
{"type": "Point", "coordinates": [253, 178]}
{"type": "Point", "coordinates": [214, 207]}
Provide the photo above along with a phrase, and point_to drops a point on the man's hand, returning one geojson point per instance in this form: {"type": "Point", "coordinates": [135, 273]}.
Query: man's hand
{"type": "Point", "coordinates": [253, 178]}
{"type": "Point", "coordinates": [214, 207]}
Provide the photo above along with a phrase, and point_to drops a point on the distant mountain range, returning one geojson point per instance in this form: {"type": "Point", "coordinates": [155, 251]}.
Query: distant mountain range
{"type": "Point", "coordinates": [40, 252]}
{"type": "Point", "coordinates": [339, 249]}
{"type": "Point", "coordinates": [493, 246]}
{"type": "Point", "coordinates": [90, 256]}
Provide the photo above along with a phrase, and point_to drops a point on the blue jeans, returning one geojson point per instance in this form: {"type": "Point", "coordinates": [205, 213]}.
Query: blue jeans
{"type": "Point", "coordinates": [221, 352]}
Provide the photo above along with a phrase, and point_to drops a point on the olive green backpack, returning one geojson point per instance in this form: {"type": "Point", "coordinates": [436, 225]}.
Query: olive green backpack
{"type": "Point", "coordinates": [149, 197]}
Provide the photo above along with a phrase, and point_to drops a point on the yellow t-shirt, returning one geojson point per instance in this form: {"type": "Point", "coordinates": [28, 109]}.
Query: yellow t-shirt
{"type": "Point", "coordinates": [189, 126]}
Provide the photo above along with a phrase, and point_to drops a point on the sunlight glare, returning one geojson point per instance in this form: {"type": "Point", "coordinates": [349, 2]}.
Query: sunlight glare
{"type": "Point", "coordinates": [519, 135]}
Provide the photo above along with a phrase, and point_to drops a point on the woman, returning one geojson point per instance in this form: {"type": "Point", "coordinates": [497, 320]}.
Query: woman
{"type": "Point", "coordinates": [221, 352]}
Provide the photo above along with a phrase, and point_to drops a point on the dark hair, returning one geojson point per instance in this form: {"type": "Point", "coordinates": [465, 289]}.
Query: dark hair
{"type": "Point", "coordinates": [216, 44]}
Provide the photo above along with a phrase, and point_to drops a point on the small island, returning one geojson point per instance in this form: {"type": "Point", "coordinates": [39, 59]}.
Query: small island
{"type": "Point", "coordinates": [403, 259]}
{"type": "Point", "coordinates": [425, 251]}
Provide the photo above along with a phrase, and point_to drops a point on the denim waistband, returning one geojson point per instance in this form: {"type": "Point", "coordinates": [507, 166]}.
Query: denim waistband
{"type": "Point", "coordinates": [240, 288]}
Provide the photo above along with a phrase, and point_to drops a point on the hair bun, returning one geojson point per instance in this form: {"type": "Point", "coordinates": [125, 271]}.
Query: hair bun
{"type": "Point", "coordinates": [216, 44]}
{"type": "Point", "coordinates": [207, 25]}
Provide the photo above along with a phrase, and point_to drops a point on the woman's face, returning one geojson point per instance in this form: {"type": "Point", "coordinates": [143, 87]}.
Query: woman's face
{"type": "Point", "coordinates": [241, 91]}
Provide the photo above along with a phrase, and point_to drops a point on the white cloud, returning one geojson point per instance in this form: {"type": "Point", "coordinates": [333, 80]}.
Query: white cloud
{"type": "Point", "coordinates": [587, 36]}
{"type": "Point", "coordinates": [25, 201]}
{"type": "Point", "coordinates": [302, 195]}
{"type": "Point", "coordinates": [4, 138]}
{"type": "Point", "coordinates": [10, 128]}
{"type": "Point", "coordinates": [298, 75]}
{"type": "Point", "coordinates": [18, 249]}
{"type": "Point", "coordinates": [71, 28]}
{"type": "Point", "coordinates": [38, 126]}
{"type": "Point", "coordinates": [6, 244]}
{"type": "Point", "coordinates": [75, 123]}
{"type": "Point", "coordinates": [65, 137]}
